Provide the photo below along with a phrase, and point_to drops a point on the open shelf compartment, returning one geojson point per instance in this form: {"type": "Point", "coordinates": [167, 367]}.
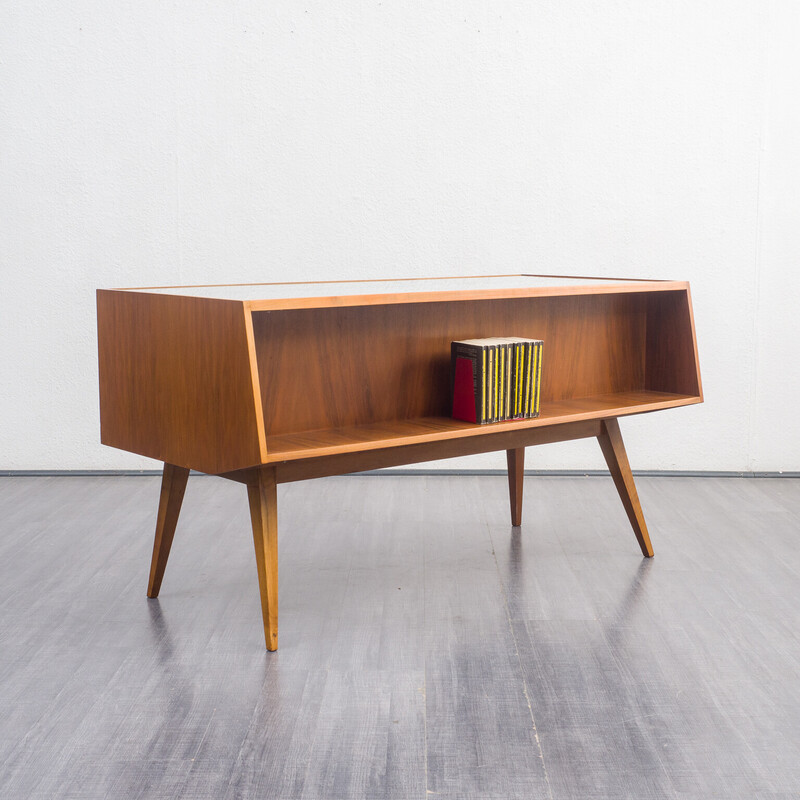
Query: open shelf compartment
{"type": "Point", "coordinates": [340, 380]}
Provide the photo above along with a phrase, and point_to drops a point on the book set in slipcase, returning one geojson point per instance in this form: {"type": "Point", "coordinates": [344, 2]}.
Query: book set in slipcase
{"type": "Point", "coordinates": [496, 379]}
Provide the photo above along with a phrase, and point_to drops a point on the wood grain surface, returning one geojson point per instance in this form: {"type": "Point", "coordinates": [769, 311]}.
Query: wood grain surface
{"type": "Point", "coordinates": [357, 460]}
{"type": "Point", "coordinates": [672, 364]}
{"type": "Point", "coordinates": [333, 368]}
{"type": "Point", "coordinates": [516, 471]}
{"type": "Point", "coordinates": [175, 380]}
{"type": "Point", "coordinates": [173, 487]}
{"type": "Point", "coordinates": [263, 497]}
{"type": "Point", "coordinates": [613, 448]}
{"type": "Point", "coordinates": [400, 433]}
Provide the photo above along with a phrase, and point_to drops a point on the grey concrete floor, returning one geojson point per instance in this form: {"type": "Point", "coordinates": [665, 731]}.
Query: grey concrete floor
{"type": "Point", "coordinates": [427, 649]}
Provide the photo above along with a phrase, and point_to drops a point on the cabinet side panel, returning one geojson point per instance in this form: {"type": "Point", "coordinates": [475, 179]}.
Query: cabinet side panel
{"type": "Point", "coordinates": [672, 364]}
{"type": "Point", "coordinates": [334, 367]}
{"type": "Point", "coordinates": [175, 380]}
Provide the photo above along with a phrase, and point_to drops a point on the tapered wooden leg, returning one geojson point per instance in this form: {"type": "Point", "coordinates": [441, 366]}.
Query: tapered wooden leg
{"type": "Point", "coordinates": [173, 486]}
{"type": "Point", "coordinates": [516, 472]}
{"type": "Point", "coordinates": [263, 497]}
{"type": "Point", "coordinates": [613, 449]}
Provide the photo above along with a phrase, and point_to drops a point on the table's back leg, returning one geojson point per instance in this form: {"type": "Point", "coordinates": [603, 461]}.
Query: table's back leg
{"type": "Point", "coordinates": [173, 486]}
{"type": "Point", "coordinates": [263, 496]}
{"type": "Point", "coordinates": [516, 472]}
{"type": "Point", "coordinates": [613, 449]}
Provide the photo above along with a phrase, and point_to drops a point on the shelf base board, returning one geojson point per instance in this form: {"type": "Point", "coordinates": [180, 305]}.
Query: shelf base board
{"type": "Point", "coordinates": [378, 436]}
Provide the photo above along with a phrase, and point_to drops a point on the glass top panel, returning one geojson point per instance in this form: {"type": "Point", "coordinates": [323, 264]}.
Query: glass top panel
{"type": "Point", "coordinates": [276, 291]}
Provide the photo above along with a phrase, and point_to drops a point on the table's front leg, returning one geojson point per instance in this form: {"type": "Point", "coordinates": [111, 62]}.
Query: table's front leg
{"type": "Point", "coordinates": [516, 474]}
{"type": "Point", "coordinates": [263, 496]}
{"type": "Point", "coordinates": [613, 449]}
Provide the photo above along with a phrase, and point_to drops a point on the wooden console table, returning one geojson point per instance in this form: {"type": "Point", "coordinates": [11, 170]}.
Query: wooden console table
{"type": "Point", "coordinates": [270, 383]}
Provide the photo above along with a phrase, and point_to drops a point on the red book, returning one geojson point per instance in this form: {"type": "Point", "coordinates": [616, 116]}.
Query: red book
{"type": "Point", "coordinates": [468, 392]}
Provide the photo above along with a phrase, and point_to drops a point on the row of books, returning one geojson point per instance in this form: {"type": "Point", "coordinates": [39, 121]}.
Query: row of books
{"type": "Point", "coordinates": [496, 379]}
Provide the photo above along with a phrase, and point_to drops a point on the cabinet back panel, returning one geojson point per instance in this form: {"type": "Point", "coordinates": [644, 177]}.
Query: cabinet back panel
{"type": "Point", "coordinates": [330, 368]}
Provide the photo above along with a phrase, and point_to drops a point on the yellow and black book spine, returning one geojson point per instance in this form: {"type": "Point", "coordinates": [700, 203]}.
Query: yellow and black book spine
{"type": "Point", "coordinates": [507, 406]}
{"type": "Point", "coordinates": [509, 356]}
{"type": "Point", "coordinates": [490, 410]}
{"type": "Point", "coordinates": [534, 377]}
{"type": "Point", "coordinates": [509, 388]}
{"type": "Point", "coordinates": [502, 382]}
{"type": "Point", "coordinates": [506, 386]}
{"type": "Point", "coordinates": [504, 365]}
{"type": "Point", "coordinates": [498, 386]}
{"type": "Point", "coordinates": [487, 356]}
{"type": "Point", "coordinates": [483, 385]}
{"type": "Point", "coordinates": [498, 357]}
{"type": "Point", "coordinates": [494, 385]}
{"type": "Point", "coordinates": [527, 410]}
{"type": "Point", "coordinates": [538, 392]}
{"type": "Point", "coordinates": [490, 404]}
{"type": "Point", "coordinates": [528, 379]}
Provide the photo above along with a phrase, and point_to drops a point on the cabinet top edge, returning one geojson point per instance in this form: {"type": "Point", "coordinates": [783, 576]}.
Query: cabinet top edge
{"type": "Point", "coordinates": [327, 294]}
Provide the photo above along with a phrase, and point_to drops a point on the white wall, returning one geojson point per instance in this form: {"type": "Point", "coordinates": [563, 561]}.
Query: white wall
{"type": "Point", "coordinates": [210, 141]}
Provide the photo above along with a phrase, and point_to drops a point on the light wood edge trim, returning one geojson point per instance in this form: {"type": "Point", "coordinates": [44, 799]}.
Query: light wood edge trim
{"type": "Point", "coordinates": [348, 301]}
{"type": "Point", "coordinates": [478, 430]}
{"type": "Point", "coordinates": [347, 463]}
{"type": "Point", "coordinates": [590, 278]}
{"type": "Point", "coordinates": [386, 280]}
{"type": "Point", "coordinates": [255, 381]}
{"type": "Point", "coordinates": [694, 342]}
